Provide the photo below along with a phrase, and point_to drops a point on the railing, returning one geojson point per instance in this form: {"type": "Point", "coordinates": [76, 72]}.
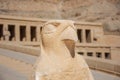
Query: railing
{"type": "Point", "coordinates": [104, 65]}
{"type": "Point", "coordinates": [19, 48]}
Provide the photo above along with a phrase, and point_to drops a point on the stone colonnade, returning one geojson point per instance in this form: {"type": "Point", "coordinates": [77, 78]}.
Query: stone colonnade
{"type": "Point", "coordinates": [19, 33]}
{"type": "Point", "coordinates": [85, 35]}
{"type": "Point", "coordinates": [28, 30]}
{"type": "Point", "coordinates": [32, 33]}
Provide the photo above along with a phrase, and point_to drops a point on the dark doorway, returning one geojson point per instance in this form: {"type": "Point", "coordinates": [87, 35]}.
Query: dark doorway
{"type": "Point", "coordinates": [80, 53]}
{"type": "Point", "coordinates": [11, 29]}
{"type": "Point", "coordinates": [88, 36]}
{"type": "Point", "coordinates": [98, 54]}
{"type": "Point", "coordinates": [1, 31]}
{"type": "Point", "coordinates": [79, 34]}
{"type": "Point", "coordinates": [33, 33]}
{"type": "Point", "coordinates": [22, 33]}
{"type": "Point", "coordinates": [107, 55]}
{"type": "Point", "coordinates": [89, 54]}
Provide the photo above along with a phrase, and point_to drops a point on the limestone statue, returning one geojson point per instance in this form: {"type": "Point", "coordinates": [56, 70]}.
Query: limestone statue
{"type": "Point", "coordinates": [6, 34]}
{"type": "Point", "coordinates": [1, 38]}
{"type": "Point", "coordinates": [24, 39]}
{"type": "Point", "coordinates": [34, 39]}
{"type": "Point", "coordinates": [58, 60]}
{"type": "Point", "coordinates": [13, 39]}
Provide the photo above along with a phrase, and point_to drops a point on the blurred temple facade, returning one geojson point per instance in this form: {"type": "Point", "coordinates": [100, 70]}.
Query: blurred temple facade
{"type": "Point", "coordinates": [102, 52]}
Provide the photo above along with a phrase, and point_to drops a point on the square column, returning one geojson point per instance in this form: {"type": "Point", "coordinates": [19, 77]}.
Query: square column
{"type": "Point", "coordinates": [83, 36]}
{"type": "Point", "coordinates": [92, 36]}
{"type": "Point", "coordinates": [28, 35]}
{"type": "Point", "coordinates": [103, 55]}
{"type": "Point", "coordinates": [94, 54]}
{"type": "Point", "coordinates": [17, 32]}
{"type": "Point", "coordinates": [38, 33]}
{"type": "Point", "coordinates": [85, 53]}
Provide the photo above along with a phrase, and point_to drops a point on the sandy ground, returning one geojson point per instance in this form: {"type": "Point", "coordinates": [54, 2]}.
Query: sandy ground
{"type": "Point", "coordinates": [9, 74]}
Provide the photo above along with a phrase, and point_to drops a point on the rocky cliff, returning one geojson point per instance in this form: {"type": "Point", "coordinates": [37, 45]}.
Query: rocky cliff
{"type": "Point", "coordinates": [105, 11]}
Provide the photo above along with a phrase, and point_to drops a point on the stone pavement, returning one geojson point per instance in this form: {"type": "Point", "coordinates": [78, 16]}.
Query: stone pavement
{"type": "Point", "coordinates": [98, 75]}
{"type": "Point", "coordinates": [9, 74]}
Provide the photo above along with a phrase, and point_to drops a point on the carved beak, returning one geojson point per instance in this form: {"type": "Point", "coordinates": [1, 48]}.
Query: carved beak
{"type": "Point", "coordinates": [70, 44]}
{"type": "Point", "coordinates": [69, 37]}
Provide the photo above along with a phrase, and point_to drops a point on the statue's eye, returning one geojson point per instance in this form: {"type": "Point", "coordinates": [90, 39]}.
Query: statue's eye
{"type": "Point", "coordinates": [49, 28]}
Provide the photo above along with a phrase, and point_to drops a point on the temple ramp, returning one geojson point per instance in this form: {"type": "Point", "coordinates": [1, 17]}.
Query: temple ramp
{"type": "Point", "coordinates": [17, 64]}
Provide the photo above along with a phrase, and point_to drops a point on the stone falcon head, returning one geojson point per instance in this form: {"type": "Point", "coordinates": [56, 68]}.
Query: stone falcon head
{"type": "Point", "coordinates": [57, 60]}
{"type": "Point", "coordinates": [59, 34]}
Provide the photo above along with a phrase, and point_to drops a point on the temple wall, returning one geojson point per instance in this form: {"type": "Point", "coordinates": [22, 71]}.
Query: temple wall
{"type": "Point", "coordinates": [115, 54]}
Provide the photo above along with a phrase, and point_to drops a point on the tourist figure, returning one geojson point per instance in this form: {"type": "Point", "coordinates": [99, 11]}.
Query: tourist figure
{"type": "Point", "coordinates": [6, 34]}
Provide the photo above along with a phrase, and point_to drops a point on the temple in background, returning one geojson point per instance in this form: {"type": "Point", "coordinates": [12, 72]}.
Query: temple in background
{"type": "Point", "coordinates": [102, 52]}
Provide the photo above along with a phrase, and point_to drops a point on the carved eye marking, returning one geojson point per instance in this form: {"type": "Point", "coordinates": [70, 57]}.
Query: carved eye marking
{"type": "Point", "coordinates": [49, 28]}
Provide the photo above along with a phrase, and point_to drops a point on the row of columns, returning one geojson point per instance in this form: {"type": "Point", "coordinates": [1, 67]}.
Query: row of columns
{"type": "Point", "coordinates": [6, 33]}
{"type": "Point", "coordinates": [17, 33]}
{"type": "Point", "coordinates": [82, 34]}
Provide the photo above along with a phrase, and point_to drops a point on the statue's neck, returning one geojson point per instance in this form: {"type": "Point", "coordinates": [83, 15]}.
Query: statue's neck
{"type": "Point", "coordinates": [57, 48]}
